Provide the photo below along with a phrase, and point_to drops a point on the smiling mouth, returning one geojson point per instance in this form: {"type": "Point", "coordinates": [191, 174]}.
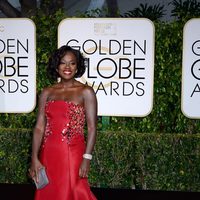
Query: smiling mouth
{"type": "Point", "coordinates": [67, 72]}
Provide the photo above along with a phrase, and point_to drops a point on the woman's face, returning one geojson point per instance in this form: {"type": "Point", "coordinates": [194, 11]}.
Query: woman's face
{"type": "Point", "coordinates": [68, 66]}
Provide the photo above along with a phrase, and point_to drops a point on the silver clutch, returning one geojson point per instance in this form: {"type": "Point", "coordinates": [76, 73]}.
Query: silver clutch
{"type": "Point", "coordinates": [43, 179]}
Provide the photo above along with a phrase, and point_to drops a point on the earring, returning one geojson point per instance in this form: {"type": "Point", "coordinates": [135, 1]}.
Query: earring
{"type": "Point", "coordinates": [58, 79]}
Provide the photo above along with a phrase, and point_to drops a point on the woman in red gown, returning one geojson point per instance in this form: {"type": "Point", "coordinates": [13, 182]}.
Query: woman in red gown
{"type": "Point", "coordinates": [59, 144]}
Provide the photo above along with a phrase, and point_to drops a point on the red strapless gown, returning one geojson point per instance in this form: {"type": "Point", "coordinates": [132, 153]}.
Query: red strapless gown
{"type": "Point", "coordinates": [62, 151]}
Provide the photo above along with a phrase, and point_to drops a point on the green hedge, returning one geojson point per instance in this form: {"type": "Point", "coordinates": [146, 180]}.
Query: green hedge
{"type": "Point", "coordinates": [121, 160]}
{"type": "Point", "coordinates": [15, 152]}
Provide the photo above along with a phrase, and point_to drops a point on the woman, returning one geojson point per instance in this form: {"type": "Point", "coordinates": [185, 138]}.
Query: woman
{"type": "Point", "coordinates": [58, 139]}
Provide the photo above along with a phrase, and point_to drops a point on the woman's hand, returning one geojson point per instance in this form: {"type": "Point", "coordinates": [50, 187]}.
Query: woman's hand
{"type": "Point", "coordinates": [34, 169]}
{"type": "Point", "coordinates": [84, 168]}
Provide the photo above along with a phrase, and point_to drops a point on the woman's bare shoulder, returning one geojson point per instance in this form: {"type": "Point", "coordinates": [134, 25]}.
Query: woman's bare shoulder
{"type": "Point", "coordinates": [88, 90]}
{"type": "Point", "coordinates": [47, 91]}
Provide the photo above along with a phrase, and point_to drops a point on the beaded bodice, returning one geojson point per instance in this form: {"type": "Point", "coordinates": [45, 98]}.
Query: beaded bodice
{"type": "Point", "coordinates": [65, 119]}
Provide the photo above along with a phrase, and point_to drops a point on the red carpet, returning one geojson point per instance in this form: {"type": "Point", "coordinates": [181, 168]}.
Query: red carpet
{"type": "Point", "coordinates": [26, 192]}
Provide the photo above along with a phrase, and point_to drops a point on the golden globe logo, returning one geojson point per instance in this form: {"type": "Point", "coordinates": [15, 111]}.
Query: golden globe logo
{"type": "Point", "coordinates": [113, 67]}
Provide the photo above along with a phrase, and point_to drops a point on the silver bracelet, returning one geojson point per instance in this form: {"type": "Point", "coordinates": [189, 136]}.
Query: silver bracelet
{"type": "Point", "coordinates": [87, 156]}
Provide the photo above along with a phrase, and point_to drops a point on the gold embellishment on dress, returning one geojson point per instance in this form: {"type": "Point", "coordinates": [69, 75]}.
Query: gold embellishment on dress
{"type": "Point", "coordinates": [74, 125]}
{"type": "Point", "coordinates": [76, 117]}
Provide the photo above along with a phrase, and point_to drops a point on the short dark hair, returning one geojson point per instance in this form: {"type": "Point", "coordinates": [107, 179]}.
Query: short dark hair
{"type": "Point", "coordinates": [58, 54]}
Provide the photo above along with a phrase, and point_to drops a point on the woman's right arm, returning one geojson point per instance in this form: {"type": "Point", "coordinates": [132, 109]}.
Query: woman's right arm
{"type": "Point", "coordinates": [38, 133]}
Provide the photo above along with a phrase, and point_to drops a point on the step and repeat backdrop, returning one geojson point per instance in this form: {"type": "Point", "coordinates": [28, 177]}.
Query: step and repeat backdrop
{"type": "Point", "coordinates": [191, 69]}
{"type": "Point", "coordinates": [120, 58]}
{"type": "Point", "coordinates": [17, 65]}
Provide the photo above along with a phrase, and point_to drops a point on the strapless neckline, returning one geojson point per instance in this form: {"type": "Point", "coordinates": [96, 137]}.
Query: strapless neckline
{"type": "Point", "coordinates": [65, 101]}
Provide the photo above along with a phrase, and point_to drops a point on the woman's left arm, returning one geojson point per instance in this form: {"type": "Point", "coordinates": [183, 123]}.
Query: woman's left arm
{"type": "Point", "coordinates": [90, 104]}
